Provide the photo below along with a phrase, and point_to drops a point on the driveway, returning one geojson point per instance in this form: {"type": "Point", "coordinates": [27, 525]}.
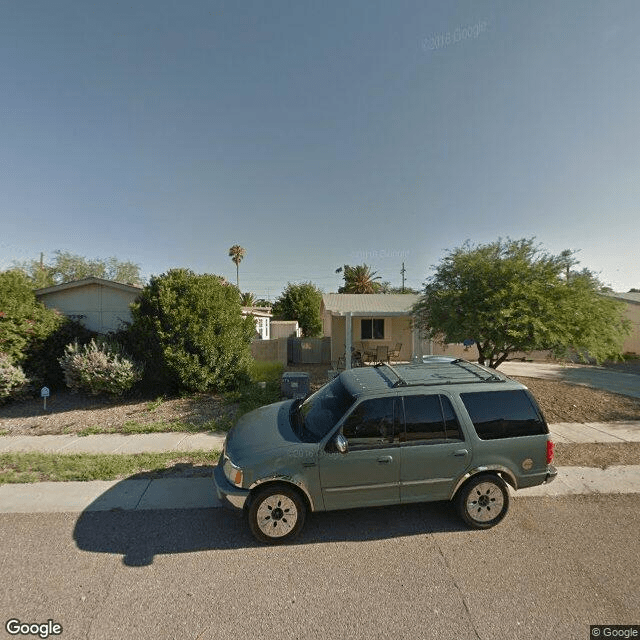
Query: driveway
{"type": "Point", "coordinates": [627, 384]}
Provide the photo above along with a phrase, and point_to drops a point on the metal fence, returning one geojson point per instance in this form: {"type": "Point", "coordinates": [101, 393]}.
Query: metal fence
{"type": "Point", "coordinates": [309, 350]}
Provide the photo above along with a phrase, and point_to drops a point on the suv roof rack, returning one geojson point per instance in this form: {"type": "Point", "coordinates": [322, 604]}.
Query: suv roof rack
{"type": "Point", "coordinates": [400, 382]}
{"type": "Point", "coordinates": [473, 368]}
{"type": "Point", "coordinates": [465, 365]}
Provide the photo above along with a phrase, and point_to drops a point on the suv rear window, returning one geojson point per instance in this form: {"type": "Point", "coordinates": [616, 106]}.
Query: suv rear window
{"type": "Point", "coordinates": [504, 414]}
{"type": "Point", "coordinates": [430, 418]}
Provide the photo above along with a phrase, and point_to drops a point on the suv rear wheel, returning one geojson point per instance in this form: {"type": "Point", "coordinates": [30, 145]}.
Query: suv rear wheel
{"type": "Point", "coordinates": [276, 514]}
{"type": "Point", "coordinates": [483, 501]}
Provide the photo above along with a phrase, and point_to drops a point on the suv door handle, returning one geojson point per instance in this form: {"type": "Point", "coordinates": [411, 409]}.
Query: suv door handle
{"type": "Point", "coordinates": [460, 452]}
{"type": "Point", "coordinates": [385, 459]}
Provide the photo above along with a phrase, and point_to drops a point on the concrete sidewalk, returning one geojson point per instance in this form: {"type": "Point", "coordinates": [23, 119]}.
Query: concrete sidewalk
{"type": "Point", "coordinates": [115, 443]}
{"type": "Point", "coordinates": [565, 432]}
{"type": "Point", "coordinates": [200, 493]}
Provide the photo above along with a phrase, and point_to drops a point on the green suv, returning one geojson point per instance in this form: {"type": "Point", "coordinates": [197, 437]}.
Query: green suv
{"type": "Point", "coordinates": [445, 429]}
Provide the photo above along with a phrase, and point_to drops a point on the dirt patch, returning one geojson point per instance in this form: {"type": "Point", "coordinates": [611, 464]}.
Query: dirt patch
{"type": "Point", "coordinates": [70, 413]}
{"type": "Point", "coordinates": [596, 454]}
{"type": "Point", "coordinates": [563, 402]}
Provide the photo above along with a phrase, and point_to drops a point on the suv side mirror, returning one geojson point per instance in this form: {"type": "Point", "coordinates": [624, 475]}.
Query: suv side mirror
{"type": "Point", "coordinates": [341, 443]}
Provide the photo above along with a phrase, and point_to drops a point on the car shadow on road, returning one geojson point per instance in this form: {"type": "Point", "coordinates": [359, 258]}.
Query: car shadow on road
{"type": "Point", "coordinates": [141, 535]}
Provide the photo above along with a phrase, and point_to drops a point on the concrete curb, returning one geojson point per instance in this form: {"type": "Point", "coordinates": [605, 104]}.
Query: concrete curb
{"type": "Point", "coordinates": [200, 493]}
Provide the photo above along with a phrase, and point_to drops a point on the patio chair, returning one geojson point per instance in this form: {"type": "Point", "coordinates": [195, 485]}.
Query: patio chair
{"type": "Point", "coordinates": [356, 360]}
{"type": "Point", "coordinates": [395, 352]}
{"type": "Point", "coordinates": [382, 353]}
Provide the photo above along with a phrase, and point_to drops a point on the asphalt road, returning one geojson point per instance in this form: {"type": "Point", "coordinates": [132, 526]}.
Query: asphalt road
{"type": "Point", "coordinates": [554, 566]}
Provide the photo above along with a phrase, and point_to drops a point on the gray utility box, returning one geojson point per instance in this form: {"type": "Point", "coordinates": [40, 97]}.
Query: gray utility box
{"type": "Point", "coordinates": [295, 384]}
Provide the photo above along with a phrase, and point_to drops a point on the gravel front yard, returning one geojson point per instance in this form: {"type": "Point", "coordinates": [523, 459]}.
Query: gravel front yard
{"type": "Point", "coordinates": [70, 413]}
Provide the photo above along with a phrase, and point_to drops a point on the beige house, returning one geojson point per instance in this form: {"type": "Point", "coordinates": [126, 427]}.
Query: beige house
{"type": "Point", "coordinates": [100, 305]}
{"type": "Point", "coordinates": [632, 312]}
{"type": "Point", "coordinates": [369, 320]}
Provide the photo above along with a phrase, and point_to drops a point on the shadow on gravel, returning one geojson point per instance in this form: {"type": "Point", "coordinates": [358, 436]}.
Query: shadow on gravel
{"type": "Point", "coordinates": [140, 535]}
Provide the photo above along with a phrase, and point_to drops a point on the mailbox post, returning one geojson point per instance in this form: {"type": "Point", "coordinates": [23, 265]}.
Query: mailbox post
{"type": "Point", "coordinates": [44, 394]}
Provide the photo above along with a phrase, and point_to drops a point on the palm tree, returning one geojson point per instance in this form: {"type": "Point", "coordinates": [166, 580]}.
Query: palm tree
{"type": "Point", "coordinates": [248, 299]}
{"type": "Point", "coordinates": [236, 253]}
{"type": "Point", "coordinates": [360, 279]}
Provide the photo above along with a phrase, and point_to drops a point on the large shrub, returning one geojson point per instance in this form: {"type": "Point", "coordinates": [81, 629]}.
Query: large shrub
{"type": "Point", "coordinates": [23, 320]}
{"type": "Point", "coordinates": [98, 367]}
{"type": "Point", "coordinates": [43, 357]}
{"type": "Point", "coordinates": [189, 331]}
{"type": "Point", "coordinates": [12, 379]}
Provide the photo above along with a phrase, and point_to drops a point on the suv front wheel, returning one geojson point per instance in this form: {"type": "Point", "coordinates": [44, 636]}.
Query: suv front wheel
{"type": "Point", "coordinates": [276, 514]}
{"type": "Point", "coordinates": [483, 501]}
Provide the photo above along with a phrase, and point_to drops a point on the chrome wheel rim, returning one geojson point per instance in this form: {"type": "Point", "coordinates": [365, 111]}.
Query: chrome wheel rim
{"type": "Point", "coordinates": [277, 516]}
{"type": "Point", "coordinates": [485, 502]}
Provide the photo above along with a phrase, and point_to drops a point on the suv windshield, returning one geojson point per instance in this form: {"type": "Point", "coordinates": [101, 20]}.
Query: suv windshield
{"type": "Point", "coordinates": [322, 410]}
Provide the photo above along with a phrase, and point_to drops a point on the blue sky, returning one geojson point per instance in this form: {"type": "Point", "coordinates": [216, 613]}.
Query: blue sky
{"type": "Point", "coordinates": [316, 134]}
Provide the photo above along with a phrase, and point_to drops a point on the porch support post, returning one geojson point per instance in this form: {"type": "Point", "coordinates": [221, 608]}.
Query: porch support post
{"type": "Point", "coordinates": [347, 339]}
{"type": "Point", "coordinates": [416, 343]}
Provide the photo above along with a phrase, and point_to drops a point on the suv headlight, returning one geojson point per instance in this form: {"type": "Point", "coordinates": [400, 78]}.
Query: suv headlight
{"type": "Point", "coordinates": [233, 473]}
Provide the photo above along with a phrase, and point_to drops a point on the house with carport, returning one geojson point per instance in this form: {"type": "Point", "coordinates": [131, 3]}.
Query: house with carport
{"type": "Point", "coordinates": [369, 320]}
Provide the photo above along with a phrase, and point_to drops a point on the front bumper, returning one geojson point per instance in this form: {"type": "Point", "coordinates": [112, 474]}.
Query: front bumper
{"type": "Point", "coordinates": [230, 495]}
{"type": "Point", "coordinates": [552, 473]}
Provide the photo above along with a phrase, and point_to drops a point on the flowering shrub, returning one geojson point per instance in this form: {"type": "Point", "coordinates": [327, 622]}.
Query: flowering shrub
{"type": "Point", "coordinates": [12, 379]}
{"type": "Point", "coordinates": [98, 368]}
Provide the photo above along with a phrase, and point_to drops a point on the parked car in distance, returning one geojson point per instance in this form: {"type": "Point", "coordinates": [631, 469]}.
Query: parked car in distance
{"type": "Point", "coordinates": [445, 429]}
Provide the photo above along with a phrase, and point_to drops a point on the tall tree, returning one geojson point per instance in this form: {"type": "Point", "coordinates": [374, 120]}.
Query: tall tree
{"type": "Point", "coordinates": [67, 267]}
{"type": "Point", "coordinates": [509, 296]}
{"type": "Point", "coordinates": [301, 302]}
{"type": "Point", "coordinates": [236, 253]}
{"type": "Point", "coordinates": [360, 279]}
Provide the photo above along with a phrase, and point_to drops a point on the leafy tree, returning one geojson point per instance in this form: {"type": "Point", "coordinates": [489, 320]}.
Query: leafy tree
{"type": "Point", "coordinates": [301, 302]}
{"type": "Point", "coordinates": [385, 287]}
{"type": "Point", "coordinates": [508, 296]}
{"type": "Point", "coordinates": [359, 279]}
{"type": "Point", "coordinates": [67, 267]}
{"type": "Point", "coordinates": [23, 320]}
{"type": "Point", "coordinates": [188, 331]}
{"type": "Point", "coordinates": [236, 253]}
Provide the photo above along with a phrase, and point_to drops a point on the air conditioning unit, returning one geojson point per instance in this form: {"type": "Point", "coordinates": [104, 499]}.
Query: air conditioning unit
{"type": "Point", "coordinates": [295, 384]}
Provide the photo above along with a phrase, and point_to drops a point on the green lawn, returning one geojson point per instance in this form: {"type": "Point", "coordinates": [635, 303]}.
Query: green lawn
{"type": "Point", "coordinates": [55, 467]}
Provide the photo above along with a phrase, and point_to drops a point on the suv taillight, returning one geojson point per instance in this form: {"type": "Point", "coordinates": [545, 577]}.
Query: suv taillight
{"type": "Point", "coordinates": [549, 452]}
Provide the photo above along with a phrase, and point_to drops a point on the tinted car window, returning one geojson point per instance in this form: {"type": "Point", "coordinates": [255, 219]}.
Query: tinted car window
{"type": "Point", "coordinates": [322, 410]}
{"type": "Point", "coordinates": [452, 427]}
{"type": "Point", "coordinates": [503, 414]}
{"type": "Point", "coordinates": [371, 423]}
{"type": "Point", "coordinates": [423, 418]}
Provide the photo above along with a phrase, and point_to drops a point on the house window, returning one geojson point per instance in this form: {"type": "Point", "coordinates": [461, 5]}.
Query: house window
{"type": "Point", "coordinates": [372, 329]}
